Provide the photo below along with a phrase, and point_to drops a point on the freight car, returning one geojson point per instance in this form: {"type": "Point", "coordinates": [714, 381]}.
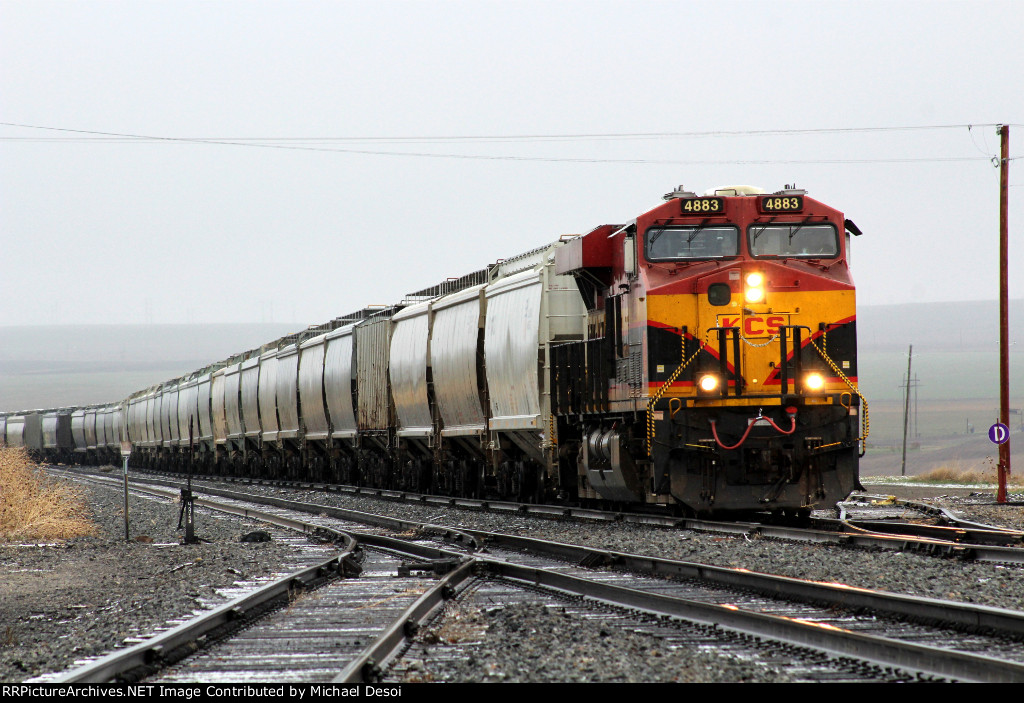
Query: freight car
{"type": "Point", "coordinates": [45, 434]}
{"type": "Point", "coordinates": [702, 356]}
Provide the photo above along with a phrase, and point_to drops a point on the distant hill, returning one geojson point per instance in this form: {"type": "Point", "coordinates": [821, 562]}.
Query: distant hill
{"type": "Point", "coordinates": [955, 349]}
{"type": "Point", "coordinates": [86, 364]}
{"type": "Point", "coordinates": [134, 344]}
{"type": "Point", "coordinates": [940, 327]}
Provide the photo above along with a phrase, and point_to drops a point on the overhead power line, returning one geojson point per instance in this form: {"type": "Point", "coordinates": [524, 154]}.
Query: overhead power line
{"type": "Point", "coordinates": [505, 137]}
{"type": "Point", "coordinates": [307, 144]}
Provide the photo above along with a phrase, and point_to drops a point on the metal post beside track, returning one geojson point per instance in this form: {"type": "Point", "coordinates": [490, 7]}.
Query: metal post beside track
{"type": "Point", "coordinates": [126, 450]}
{"type": "Point", "coordinates": [187, 514]}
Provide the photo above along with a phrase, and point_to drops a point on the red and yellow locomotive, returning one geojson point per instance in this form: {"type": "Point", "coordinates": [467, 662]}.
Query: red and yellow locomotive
{"type": "Point", "coordinates": [720, 366]}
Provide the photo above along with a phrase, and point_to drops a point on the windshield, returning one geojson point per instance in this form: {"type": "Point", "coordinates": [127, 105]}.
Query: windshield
{"type": "Point", "coordinates": [682, 243]}
{"type": "Point", "coordinates": [794, 241]}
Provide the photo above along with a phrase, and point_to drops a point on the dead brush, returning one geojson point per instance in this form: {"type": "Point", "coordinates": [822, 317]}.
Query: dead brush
{"type": "Point", "coordinates": [983, 473]}
{"type": "Point", "coordinates": [34, 507]}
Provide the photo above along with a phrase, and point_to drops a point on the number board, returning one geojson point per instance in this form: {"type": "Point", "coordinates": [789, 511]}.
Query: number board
{"type": "Point", "coordinates": [703, 206]}
{"type": "Point", "coordinates": [782, 203]}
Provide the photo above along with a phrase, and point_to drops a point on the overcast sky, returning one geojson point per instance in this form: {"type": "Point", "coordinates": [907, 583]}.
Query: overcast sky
{"type": "Point", "coordinates": [303, 216]}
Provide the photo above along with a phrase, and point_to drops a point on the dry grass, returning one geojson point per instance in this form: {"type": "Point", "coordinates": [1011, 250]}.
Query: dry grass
{"type": "Point", "coordinates": [34, 507]}
{"type": "Point", "coordinates": [980, 473]}
{"type": "Point", "coordinates": [459, 624]}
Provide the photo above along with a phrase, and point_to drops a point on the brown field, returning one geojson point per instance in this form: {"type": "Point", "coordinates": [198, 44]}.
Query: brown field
{"type": "Point", "coordinates": [942, 442]}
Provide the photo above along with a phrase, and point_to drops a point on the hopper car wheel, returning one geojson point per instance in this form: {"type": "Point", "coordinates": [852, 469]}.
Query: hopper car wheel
{"type": "Point", "coordinates": [503, 480]}
{"type": "Point", "coordinates": [467, 479]}
{"type": "Point", "coordinates": [346, 472]}
{"type": "Point", "coordinates": [439, 483]}
{"type": "Point", "coordinates": [423, 475]}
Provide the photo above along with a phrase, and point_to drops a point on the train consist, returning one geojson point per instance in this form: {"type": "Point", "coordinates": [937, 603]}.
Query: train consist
{"type": "Point", "coordinates": [701, 356]}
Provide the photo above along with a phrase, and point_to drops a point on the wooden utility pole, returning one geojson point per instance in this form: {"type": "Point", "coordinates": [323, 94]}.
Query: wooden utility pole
{"type": "Point", "coordinates": [906, 412]}
{"type": "Point", "coordinates": [1004, 306]}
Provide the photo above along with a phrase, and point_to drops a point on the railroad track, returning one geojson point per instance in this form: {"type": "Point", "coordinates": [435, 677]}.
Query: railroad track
{"type": "Point", "coordinates": [889, 515]}
{"type": "Point", "coordinates": [876, 631]}
{"type": "Point", "coordinates": [875, 522]}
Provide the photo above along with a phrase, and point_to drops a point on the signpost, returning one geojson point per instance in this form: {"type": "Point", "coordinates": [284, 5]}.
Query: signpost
{"type": "Point", "coordinates": [1000, 434]}
{"type": "Point", "coordinates": [1004, 307]}
{"type": "Point", "coordinates": [126, 450]}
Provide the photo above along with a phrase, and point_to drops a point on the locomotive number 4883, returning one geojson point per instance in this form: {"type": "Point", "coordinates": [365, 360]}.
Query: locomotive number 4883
{"type": "Point", "coordinates": [703, 205]}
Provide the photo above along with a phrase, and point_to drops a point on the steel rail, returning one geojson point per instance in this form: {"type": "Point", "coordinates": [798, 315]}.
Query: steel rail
{"type": "Point", "coordinates": [920, 659]}
{"type": "Point", "coordinates": [834, 532]}
{"type": "Point", "coordinates": [958, 527]}
{"type": "Point", "coordinates": [963, 615]}
{"type": "Point", "coordinates": [368, 666]}
{"type": "Point", "coordinates": [446, 533]}
{"type": "Point", "coordinates": [483, 504]}
{"type": "Point", "coordinates": [949, 613]}
{"type": "Point", "coordinates": [182, 640]}
{"type": "Point", "coordinates": [859, 539]}
{"type": "Point", "coordinates": [852, 537]}
{"type": "Point", "coordinates": [175, 644]}
{"type": "Point", "coordinates": [931, 661]}
{"type": "Point", "coordinates": [881, 650]}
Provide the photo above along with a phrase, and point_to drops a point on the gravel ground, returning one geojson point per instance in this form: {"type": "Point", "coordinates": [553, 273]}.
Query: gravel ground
{"type": "Point", "coordinates": [514, 644]}
{"type": "Point", "coordinates": [68, 602]}
{"type": "Point", "coordinates": [63, 603]}
{"type": "Point", "coordinates": [985, 583]}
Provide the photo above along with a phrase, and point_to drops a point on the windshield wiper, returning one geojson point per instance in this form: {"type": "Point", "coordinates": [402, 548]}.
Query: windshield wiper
{"type": "Point", "coordinates": [655, 235]}
{"type": "Point", "coordinates": [699, 229]}
{"type": "Point", "coordinates": [761, 231]}
{"type": "Point", "coordinates": [799, 227]}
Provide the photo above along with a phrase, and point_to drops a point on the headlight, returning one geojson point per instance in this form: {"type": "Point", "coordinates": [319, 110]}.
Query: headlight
{"type": "Point", "coordinates": [755, 287]}
{"type": "Point", "coordinates": [708, 383]}
{"type": "Point", "coordinates": [814, 381]}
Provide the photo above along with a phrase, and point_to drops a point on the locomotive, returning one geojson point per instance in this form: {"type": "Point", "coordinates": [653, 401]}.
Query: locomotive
{"type": "Point", "coordinates": [702, 356]}
{"type": "Point", "coordinates": [720, 366]}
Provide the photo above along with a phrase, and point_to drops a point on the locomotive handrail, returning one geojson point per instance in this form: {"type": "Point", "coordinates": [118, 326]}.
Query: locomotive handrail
{"type": "Point", "coordinates": [865, 423]}
{"type": "Point", "coordinates": [665, 386]}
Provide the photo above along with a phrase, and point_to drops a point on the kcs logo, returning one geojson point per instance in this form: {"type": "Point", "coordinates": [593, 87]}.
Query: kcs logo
{"type": "Point", "coordinates": [756, 326]}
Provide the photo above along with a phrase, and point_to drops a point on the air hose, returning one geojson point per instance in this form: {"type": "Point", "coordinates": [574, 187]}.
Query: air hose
{"type": "Point", "coordinates": [750, 425]}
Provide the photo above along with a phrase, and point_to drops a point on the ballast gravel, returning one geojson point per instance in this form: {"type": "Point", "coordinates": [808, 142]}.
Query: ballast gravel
{"type": "Point", "coordinates": [536, 643]}
{"type": "Point", "coordinates": [917, 574]}
{"type": "Point", "coordinates": [67, 602]}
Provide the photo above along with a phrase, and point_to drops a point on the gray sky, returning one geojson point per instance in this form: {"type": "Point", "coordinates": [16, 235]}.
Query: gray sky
{"type": "Point", "coordinates": [102, 230]}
